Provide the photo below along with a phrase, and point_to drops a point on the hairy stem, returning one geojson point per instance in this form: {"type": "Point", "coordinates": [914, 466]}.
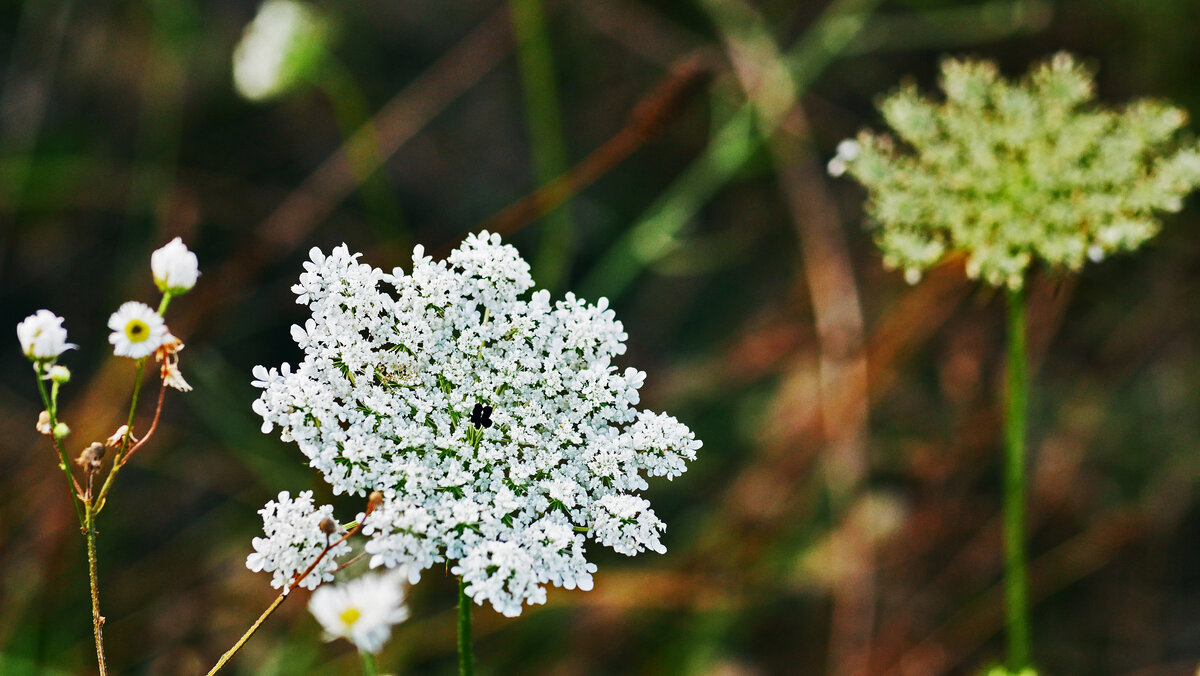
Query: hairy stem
{"type": "Point", "coordinates": [466, 653]}
{"type": "Point", "coordinates": [1016, 395]}
{"type": "Point", "coordinates": [97, 618]}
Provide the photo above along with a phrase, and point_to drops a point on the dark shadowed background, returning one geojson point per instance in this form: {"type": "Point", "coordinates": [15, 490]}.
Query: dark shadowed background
{"type": "Point", "coordinates": [843, 515]}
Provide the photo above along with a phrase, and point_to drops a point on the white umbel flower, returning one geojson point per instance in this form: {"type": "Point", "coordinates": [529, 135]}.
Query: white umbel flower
{"type": "Point", "coordinates": [42, 336]}
{"type": "Point", "coordinates": [175, 267]}
{"type": "Point", "coordinates": [362, 611]}
{"type": "Point", "coordinates": [294, 540]}
{"type": "Point", "coordinates": [137, 330]}
{"type": "Point", "coordinates": [494, 422]}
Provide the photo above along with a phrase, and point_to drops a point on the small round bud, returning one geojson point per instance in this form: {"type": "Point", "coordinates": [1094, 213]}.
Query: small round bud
{"type": "Point", "coordinates": [374, 500]}
{"type": "Point", "coordinates": [43, 423]}
{"type": "Point", "coordinates": [61, 430]}
{"type": "Point", "coordinates": [60, 374]}
{"type": "Point", "coordinates": [328, 526]}
{"type": "Point", "coordinates": [91, 456]}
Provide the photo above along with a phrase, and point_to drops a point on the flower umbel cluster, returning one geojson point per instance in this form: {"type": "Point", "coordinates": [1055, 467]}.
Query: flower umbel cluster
{"type": "Point", "coordinates": [495, 425]}
{"type": "Point", "coordinates": [294, 539]}
{"type": "Point", "coordinates": [1010, 172]}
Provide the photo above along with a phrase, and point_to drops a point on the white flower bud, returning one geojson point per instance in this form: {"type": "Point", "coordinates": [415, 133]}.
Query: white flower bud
{"type": "Point", "coordinates": [60, 374]}
{"type": "Point", "coordinates": [43, 337]}
{"type": "Point", "coordinates": [175, 267]}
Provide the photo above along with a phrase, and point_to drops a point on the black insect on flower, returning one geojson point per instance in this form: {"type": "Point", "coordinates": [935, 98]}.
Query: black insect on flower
{"type": "Point", "coordinates": [481, 416]}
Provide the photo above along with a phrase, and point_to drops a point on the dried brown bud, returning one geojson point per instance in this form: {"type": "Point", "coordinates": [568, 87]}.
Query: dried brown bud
{"type": "Point", "coordinates": [91, 456]}
{"type": "Point", "coordinates": [328, 526]}
{"type": "Point", "coordinates": [374, 500]}
{"type": "Point", "coordinates": [43, 423]}
{"type": "Point", "coordinates": [117, 437]}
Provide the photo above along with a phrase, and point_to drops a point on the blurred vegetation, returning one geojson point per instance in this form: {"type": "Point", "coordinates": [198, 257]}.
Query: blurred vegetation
{"type": "Point", "coordinates": [844, 515]}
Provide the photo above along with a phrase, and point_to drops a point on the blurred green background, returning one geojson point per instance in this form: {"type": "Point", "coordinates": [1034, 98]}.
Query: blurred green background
{"type": "Point", "coordinates": [843, 516]}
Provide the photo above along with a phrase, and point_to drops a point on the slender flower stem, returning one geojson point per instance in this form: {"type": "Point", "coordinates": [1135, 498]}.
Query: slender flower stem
{"type": "Point", "coordinates": [279, 600]}
{"type": "Point", "coordinates": [466, 653]}
{"type": "Point", "coordinates": [370, 668]}
{"type": "Point", "coordinates": [246, 636]}
{"type": "Point", "coordinates": [119, 458]}
{"type": "Point", "coordinates": [97, 618]}
{"type": "Point", "coordinates": [52, 411]}
{"type": "Point", "coordinates": [1017, 394]}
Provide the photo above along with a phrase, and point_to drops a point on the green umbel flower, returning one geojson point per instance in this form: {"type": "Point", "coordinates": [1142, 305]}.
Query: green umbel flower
{"type": "Point", "coordinates": [1008, 172]}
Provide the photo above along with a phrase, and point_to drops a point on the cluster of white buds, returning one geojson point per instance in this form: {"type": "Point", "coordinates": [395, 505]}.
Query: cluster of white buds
{"type": "Point", "coordinates": [496, 426]}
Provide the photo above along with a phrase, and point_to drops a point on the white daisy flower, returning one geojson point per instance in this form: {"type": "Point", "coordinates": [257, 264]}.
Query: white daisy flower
{"type": "Point", "coordinates": [42, 336]}
{"type": "Point", "coordinates": [362, 611]}
{"type": "Point", "coordinates": [175, 267]}
{"type": "Point", "coordinates": [137, 330]}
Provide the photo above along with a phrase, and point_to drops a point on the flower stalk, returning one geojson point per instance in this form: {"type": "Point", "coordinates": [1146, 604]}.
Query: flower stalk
{"type": "Point", "coordinates": [466, 650]}
{"type": "Point", "coordinates": [1016, 403]}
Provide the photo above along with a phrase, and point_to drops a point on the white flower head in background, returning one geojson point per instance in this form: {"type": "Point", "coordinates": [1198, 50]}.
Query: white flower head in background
{"type": "Point", "coordinates": [280, 47]}
{"type": "Point", "coordinates": [175, 268]}
{"type": "Point", "coordinates": [362, 611]}
{"type": "Point", "coordinates": [1009, 173]}
{"type": "Point", "coordinates": [294, 539]}
{"type": "Point", "coordinates": [494, 422]}
{"type": "Point", "coordinates": [137, 330]}
{"type": "Point", "coordinates": [43, 337]}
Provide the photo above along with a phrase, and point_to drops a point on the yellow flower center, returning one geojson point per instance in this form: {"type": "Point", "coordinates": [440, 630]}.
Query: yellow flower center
{"type": "Point", "coordinates": [349, 616]}
{"type": "Point", "coordinates": [137, 331]}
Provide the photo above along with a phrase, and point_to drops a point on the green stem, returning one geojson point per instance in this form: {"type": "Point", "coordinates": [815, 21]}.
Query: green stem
{"type": "Point", "coordinates": [370, 668]}
{"type": "Point", "coordinates": [102, 497]}
{"type": "Point", "coordinates": [1017, 395]}
{"type": "Point", "coordinates": [466, 653]}
{"type": "Point", "coordinates": [52, 411]}
{"type": "Point", "coordinates": [543, 119]}
{"type": "Point", "coordinates": [97, 619]}
{"type": "Point", "coordinates": [352, 114]}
